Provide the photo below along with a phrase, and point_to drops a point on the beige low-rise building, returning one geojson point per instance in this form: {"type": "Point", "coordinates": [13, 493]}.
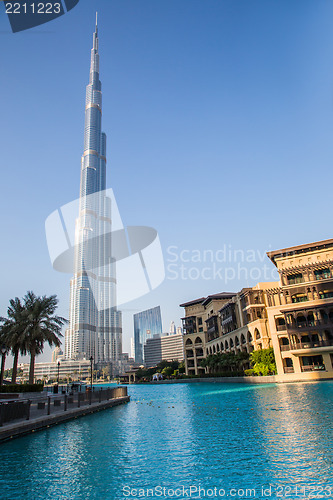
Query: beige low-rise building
{"type": "Point", "coordinates": [66, 368]}
{"type": "Point", "coordinates": [300, 311]}
{"type": "Point", "coordinates": [294, 316]}
{"type": "Point", "coordinates": [200, 324]}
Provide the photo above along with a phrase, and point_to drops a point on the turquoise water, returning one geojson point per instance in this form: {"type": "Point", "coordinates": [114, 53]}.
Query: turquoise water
{"type": "Point", "coordinates": [181, 437]}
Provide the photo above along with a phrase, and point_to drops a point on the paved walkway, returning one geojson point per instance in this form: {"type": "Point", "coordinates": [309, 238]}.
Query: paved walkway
{"type": "Point", "coordinates": [39, 419]}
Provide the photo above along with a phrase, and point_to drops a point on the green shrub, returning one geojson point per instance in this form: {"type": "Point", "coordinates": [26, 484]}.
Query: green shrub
{"type": "Point", "coordinates": [21, 388]}
{"type": "Point", "coordinates": [249, 372]}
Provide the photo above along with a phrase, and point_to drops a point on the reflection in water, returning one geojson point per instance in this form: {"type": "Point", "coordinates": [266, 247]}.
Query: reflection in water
{"type": "Point", "coordinates": [295, 430]}
{"type": "Point", "coordinates": [223, 435]}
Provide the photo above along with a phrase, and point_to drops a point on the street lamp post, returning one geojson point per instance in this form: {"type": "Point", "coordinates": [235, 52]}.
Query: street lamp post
{"type": "Point", "coordinates": [91, 359]}
{"type": "Point", "coordinates": [91, 371]}
{"type": "Point", "coordinates": [3, 352]}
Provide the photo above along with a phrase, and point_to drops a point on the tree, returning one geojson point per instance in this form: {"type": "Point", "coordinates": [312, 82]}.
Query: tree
{"type": "Point", "coordinates": [13, 331]}
{"type": "Point", "coordinates": [225, 362]}
{"type": "Point", "coordinates": [263, 361]}
{"type": "Point", "coordinates": [182, 367]}
{"type": "Point", "coordinates": [42, 326]}
{"type": "Point", "coordinates": [167, 371]}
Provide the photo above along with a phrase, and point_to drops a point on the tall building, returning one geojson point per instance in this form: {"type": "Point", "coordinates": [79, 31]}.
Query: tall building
{"type": "Point", "coordinates": [94, 321]}
{"type": "Point", "coordinates": [146, 324]}
{"type": "Point", "coordinates": [172, 330]}
{"type": "Point", "coordinates": [165, 348]}
{"type": "Point", "coordinates": [57, 354]}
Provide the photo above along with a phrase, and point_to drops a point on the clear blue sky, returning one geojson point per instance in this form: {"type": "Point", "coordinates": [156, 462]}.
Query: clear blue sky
{"type": "Point", "coordinates": [219, 120]}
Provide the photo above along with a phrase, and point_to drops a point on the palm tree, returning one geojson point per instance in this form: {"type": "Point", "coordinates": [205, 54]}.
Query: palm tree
{"type": "Point", "coordinates": [13, 331]}
{"type": "Point", "coordinates": [42, 326]}
{"type": "Point", "coordinates": [3, 351]}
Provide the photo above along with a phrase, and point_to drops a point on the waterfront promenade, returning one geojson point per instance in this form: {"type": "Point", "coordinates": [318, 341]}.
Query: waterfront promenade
{"type": "Point", "coordinates": [39, 411]}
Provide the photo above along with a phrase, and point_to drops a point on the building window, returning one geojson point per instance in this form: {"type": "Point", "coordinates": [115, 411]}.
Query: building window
{"type": "Point", "coordinates": [326, 294]}
{"type": "Point", "coordinates": [295, 278]}
{"type": "Point", "coordinates": [299, 297]}
{"type": "Point", "coordinates": [322, 274]}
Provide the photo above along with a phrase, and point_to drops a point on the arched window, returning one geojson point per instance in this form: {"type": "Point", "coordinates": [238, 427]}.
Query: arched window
{"type": "Point", "coordinates": [236, 340]}
{"type": "Point", "coordinates": [231, 343]}
{"type": "Point", "coordinates": [256, 334]}
{"type": "Point", "coordinates": [328, 335]}
{"type": "Point", "coordinates": [226, 345]}
{"type": "Point", "coordinates": [300, 321]}
{"type": "Point", "coordinates": [198, 340]}
{"type": "Point", "coordinates": [324, 316]}
{"type": "Point", "coordinates": [243, 341]}
{"type": "Point", "coordinates": [311, 319]}
{"type": "Point", "coordinates": [188, 342]}
{"type": "Point", "coordinates": [249, 337]}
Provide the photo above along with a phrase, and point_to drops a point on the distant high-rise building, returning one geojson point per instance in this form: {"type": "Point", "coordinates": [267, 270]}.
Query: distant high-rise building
{"type": "Point", "coordinates": [179, 330]}
{"type": "Point", "coordinates": [146, 324]}
{"type": "Point", "coordinates": [132, 352]}
{"type": "Point", "coordinates": [57, 353]}
{"type": "Point", "coordinates": [94, 321]}
{"type": "Point", "coordinates": [164, 348]}
{"type": "Point", "coordinates": [172, 330]}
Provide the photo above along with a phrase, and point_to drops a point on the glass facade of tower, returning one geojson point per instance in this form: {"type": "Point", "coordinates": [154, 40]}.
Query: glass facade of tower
{"type": "Point", "coordinates": [94, 321]}
{"type": "Point", "coordinates": [146, 325]}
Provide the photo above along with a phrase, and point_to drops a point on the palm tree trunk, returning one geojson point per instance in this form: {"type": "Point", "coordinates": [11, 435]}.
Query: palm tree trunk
{"type": "Point", "coordinates": [3, 361]}
{"type": "Point", "coordinates": [15, 363]}
{"type": "Point", "coordinates": [32, 367]}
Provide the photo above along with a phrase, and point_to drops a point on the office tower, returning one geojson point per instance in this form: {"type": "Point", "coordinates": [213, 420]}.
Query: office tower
{"type": "Point", "coordinates": [164, 348]}
{"type": "Point", "coordinates": [146, 324]}
{"type": "Point", "coordinates": [94, 321]}
{"type": "Point", "coordinates": [172, 330]}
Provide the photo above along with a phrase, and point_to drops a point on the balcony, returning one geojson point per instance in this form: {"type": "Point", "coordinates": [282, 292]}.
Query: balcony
{"type": "Point", "coordinates": [313, 368]}
{"type": "Point", "coordinates": [281, 328]}
{"type": "Point", "coordinates": [309, 325]}
{"type": "Point", "coordinates": [190, 324]}
{"type": "Point", "coordinates": [307, 345]}
{"type": "Point", "coordinates": [288, 369]}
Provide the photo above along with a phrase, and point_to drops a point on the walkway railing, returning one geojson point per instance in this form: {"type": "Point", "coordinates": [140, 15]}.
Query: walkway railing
{"type": "Point", "coordinates": [40, 405]}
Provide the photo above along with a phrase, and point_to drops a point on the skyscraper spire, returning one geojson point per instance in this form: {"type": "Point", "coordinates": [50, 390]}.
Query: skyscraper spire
{"type": "Point", "coordinates": [95, 44]}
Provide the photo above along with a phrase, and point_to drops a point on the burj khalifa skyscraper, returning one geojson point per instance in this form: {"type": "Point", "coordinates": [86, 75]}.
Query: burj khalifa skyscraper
{"type": "Point", "coordinates": [94, 322]}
